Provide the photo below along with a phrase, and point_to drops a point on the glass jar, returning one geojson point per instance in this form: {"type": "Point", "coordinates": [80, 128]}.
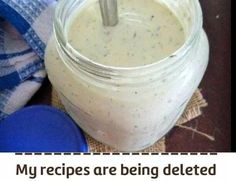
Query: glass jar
{"type": "Point", "coordinates": [128, 108]}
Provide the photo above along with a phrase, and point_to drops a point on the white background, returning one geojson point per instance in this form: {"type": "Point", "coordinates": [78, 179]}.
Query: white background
{"type": "Point", "coordinates": [225, 166]}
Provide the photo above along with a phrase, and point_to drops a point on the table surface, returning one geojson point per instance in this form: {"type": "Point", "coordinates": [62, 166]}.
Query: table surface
{"type": "Point", "coordinates": [216, 88]}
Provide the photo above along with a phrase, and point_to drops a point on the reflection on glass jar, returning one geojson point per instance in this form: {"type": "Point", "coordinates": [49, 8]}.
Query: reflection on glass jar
{"type": "Point", "coordinates": [155, 59]}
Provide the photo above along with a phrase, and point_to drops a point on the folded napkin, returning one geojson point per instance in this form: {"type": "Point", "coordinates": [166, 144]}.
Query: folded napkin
{"type": "Point", "coordinates": [25, 27]}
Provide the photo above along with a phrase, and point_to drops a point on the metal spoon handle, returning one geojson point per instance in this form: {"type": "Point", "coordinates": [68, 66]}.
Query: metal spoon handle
{"type": "Point", "coordinates": [109, 12]}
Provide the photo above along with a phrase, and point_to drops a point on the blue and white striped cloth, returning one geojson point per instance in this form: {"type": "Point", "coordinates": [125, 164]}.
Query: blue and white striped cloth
{"type": "Point", "coordinates": [25, 27]}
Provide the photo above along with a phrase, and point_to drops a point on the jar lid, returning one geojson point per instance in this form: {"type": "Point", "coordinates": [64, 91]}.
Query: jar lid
{"type": "Point", "coordinates": [41, 129]}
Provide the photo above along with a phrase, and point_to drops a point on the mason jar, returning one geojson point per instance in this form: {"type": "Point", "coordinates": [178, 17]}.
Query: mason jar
{"type": "Point", "coordinates": [130, 108]}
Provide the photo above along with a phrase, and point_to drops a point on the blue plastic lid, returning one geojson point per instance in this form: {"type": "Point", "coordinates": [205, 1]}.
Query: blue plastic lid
{"type": "Point", "coordinates": [41, 129]}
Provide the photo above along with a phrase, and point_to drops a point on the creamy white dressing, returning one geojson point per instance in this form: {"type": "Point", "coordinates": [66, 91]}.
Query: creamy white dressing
{"type": "Point", "coordinates": [146, 33]}
{"type": "Point", "coordinates": [128, 118]}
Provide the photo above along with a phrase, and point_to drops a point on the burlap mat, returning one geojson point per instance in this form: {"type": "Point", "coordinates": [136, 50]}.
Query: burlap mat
{"type": "Point", "coordinates": [192, 111]}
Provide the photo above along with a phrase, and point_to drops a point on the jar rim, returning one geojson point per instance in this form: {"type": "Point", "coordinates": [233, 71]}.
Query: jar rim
{"type": "Point", "coordinates": [197, 24]}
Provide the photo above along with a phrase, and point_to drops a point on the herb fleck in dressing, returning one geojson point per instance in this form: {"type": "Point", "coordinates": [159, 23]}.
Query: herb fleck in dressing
{"type": "Point", "coordinates": [147, 32]}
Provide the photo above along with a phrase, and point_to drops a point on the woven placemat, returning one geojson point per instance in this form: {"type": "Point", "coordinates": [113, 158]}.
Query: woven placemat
{"type": "Point", "coordinates": [192, 111]}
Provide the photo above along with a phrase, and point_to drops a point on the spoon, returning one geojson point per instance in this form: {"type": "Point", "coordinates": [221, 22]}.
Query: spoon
{"type": "Point", "coordinates": [109, 12]}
